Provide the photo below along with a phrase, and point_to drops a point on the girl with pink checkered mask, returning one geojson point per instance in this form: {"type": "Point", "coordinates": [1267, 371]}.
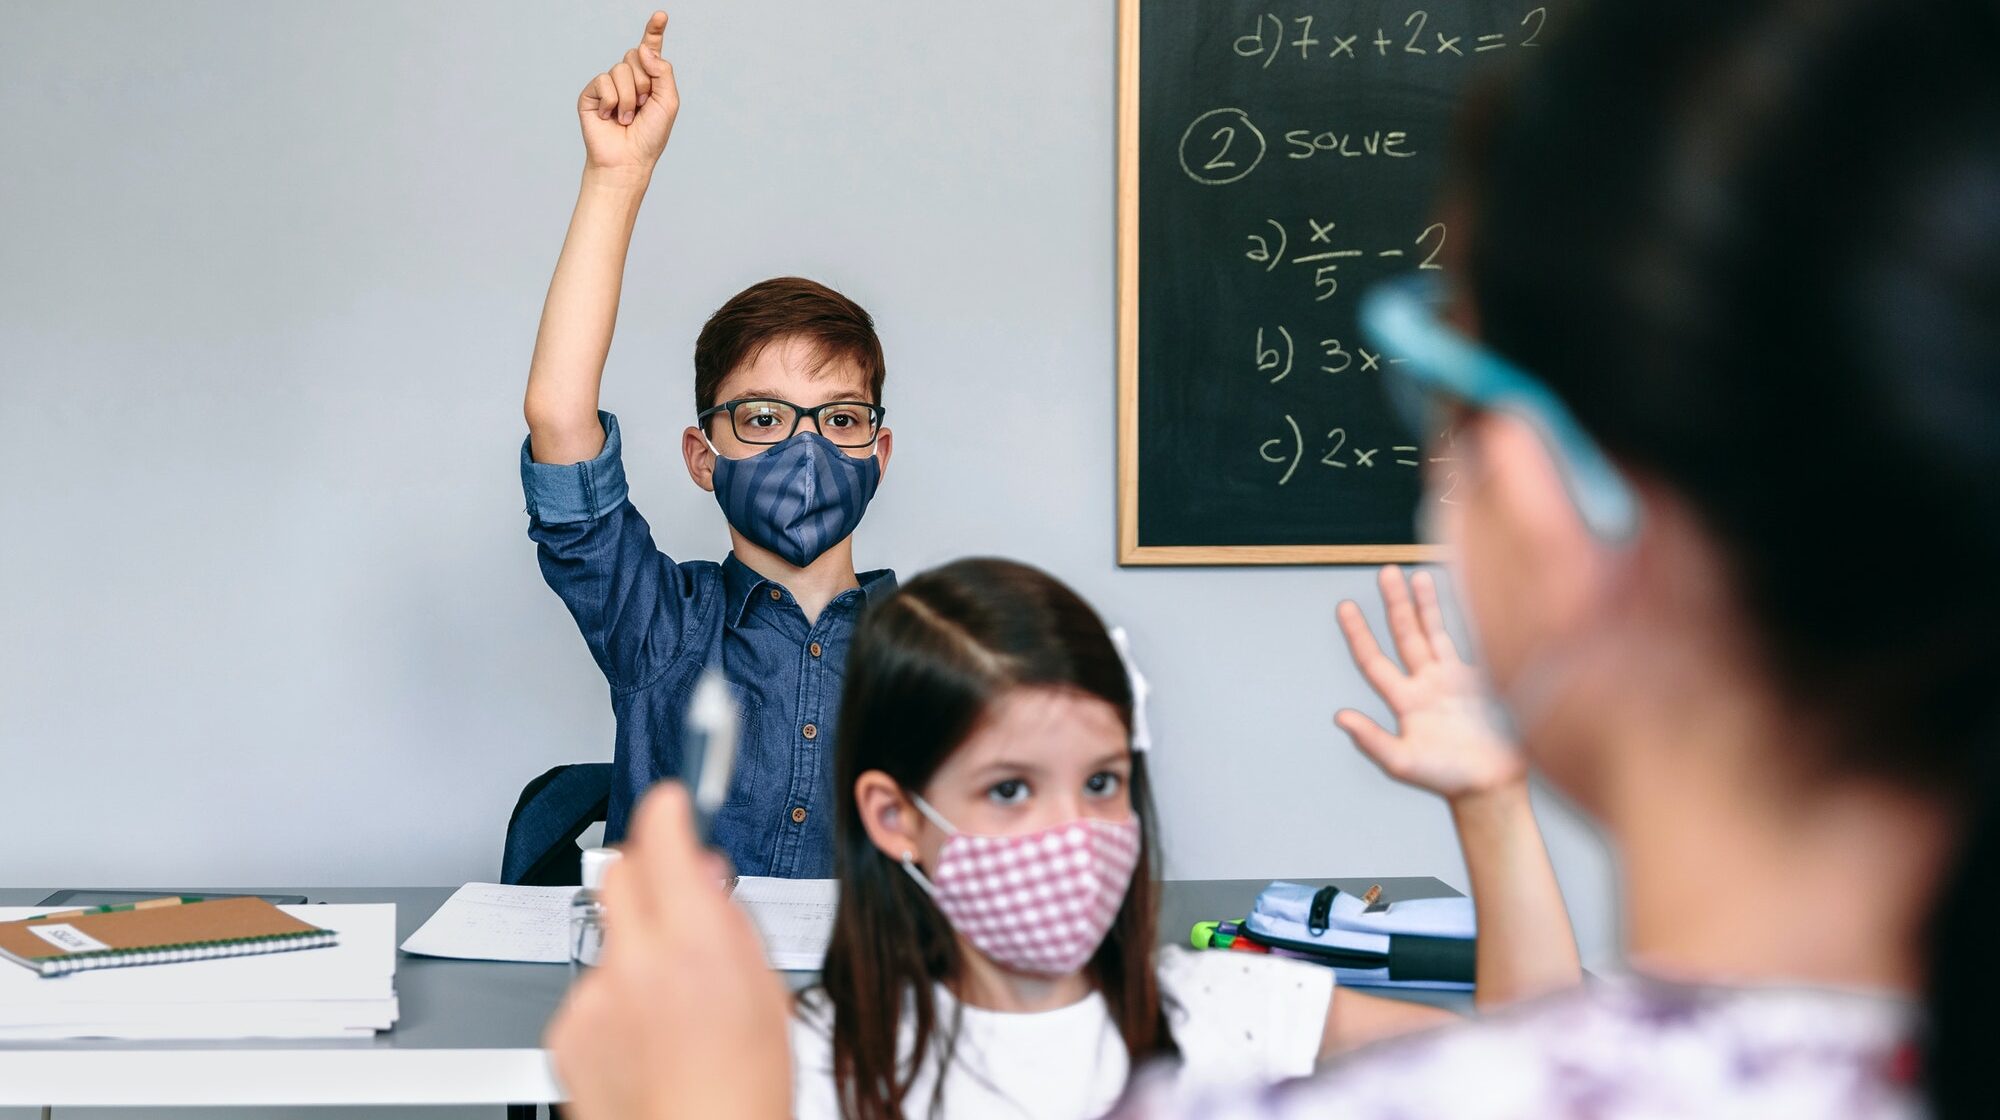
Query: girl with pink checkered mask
{"type": "Point", "coordinates": [996, 949]}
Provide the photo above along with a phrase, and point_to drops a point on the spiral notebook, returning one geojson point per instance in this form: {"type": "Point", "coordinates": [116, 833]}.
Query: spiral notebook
{"type": "Point", "coordinates": [163, 931]}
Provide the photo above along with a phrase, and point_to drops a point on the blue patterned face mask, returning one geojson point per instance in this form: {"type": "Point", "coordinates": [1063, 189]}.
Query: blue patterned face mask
{"type": "Point", "coordinates": [798, 499]}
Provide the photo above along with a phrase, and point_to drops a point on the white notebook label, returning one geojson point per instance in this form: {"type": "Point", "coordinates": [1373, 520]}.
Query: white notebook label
{"type": "Point", "coordinates": [68, 938]}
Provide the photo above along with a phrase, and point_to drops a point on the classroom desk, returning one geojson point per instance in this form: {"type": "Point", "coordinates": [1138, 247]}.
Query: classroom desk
{"type": "Point", "coordinates": [469, 1033]}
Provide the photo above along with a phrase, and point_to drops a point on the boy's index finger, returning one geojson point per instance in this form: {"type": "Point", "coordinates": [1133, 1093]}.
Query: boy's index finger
{"type": "Point", "coordinates": [656, 33]}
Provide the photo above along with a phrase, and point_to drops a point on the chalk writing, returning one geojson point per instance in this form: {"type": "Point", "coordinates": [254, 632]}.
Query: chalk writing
{"type": "Point", "coordinates": [1289, 156]}
{"type": "Point", "coordinates": [1341, 450]}
{"type": "Point", "coordinates": [1221, 146]}
{"type": "Point", "coordinates": [1268, 358]}
{"type": "Point", "coordinates": [1304, 143]}
{"type": "Point", "coordinates": [1272, 246]}
{"type": "Point", "coordinates": [1307, 38]}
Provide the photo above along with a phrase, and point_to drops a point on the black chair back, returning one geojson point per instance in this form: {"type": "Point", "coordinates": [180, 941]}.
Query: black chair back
{"type": "Point", "coordinates": [553, 811]}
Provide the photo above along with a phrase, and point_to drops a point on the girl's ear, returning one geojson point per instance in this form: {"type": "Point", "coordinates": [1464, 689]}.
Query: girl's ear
{"type": "Point", "coordinates": [888, 815]}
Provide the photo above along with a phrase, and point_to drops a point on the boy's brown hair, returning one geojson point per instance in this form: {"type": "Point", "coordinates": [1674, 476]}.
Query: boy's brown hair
{"type": "Point", "coordinates": [785, 307]}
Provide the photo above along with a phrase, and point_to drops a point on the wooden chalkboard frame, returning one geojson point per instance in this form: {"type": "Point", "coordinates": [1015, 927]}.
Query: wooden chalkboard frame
{"type": "Point", "coordinates": [1130, 551]}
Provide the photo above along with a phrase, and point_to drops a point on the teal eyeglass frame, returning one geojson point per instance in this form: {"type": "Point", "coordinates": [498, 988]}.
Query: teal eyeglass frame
{"type": "Point", "coordinates": [1401, 316]}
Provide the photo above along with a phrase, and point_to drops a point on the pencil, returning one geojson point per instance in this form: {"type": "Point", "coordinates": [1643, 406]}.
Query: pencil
{"type": "Point", "coordinates": [142, 904]}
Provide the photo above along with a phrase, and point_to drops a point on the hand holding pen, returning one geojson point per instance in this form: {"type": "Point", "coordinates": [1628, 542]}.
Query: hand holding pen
{"type": "Point", "coordinates": [625, 1044]}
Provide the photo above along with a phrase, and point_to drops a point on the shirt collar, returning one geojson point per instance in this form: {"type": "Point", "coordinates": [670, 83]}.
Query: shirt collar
{"type": "Point", "coordinates": [740, 584]}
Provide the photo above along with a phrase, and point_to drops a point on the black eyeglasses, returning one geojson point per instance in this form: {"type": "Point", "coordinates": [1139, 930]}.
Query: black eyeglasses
{"type": "Point", "coordinates": [766, 420]}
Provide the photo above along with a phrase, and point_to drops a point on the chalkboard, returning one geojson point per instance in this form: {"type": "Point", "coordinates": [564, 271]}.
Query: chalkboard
{"type": "Point", "coordinates": [1273, 162]}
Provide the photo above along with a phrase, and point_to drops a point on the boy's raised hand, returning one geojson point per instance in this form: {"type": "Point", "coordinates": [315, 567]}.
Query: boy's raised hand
{"type": "Point", "coordinates": [1445, 739]}
{"type": "Point", "coordinates": [628, 111]}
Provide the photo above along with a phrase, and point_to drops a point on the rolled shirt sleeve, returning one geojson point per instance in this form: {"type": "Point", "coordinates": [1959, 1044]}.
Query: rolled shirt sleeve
{"type": "Point", "coordinates": [630, 601]}
{"type": "Point", "coordinates": [561, 494]}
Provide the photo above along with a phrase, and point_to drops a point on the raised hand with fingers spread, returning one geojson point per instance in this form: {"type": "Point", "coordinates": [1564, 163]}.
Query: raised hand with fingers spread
{"type": "Point", "coordinates": [628, 111]}
{"type": "Point", "coordinates": [1447, 739]}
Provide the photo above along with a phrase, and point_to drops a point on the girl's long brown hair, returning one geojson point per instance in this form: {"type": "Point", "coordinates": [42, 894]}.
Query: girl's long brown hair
{"type": "Point", "coordinates": [925, 666]}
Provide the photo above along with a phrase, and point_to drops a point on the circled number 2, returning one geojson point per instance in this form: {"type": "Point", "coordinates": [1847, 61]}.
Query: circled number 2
{"type": "Point", "coordinates": [1220, 147]}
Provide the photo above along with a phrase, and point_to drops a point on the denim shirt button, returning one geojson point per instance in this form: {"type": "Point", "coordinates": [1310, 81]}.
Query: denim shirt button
{"type": "Point", "coordinates": [776, 595]}
{"type": "Point", "coordinates": [811, 731]}
{"type": "Point", "coordinates": [799, 814]}
{"type": "Point", "coordinates": [814, 649]}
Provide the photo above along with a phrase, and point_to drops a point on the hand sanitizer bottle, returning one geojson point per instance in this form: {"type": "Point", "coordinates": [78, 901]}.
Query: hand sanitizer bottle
{"type": "Point", "coordinates": [586, 911]}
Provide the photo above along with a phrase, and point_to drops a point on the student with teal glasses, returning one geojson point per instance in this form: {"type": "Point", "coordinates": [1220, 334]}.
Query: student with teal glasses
{"type": "Point", "coordinates": [787, 432]}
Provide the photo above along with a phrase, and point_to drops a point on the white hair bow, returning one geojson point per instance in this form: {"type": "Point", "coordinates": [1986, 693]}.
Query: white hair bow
{"type": "Point", "coordinates": [1142, 736]}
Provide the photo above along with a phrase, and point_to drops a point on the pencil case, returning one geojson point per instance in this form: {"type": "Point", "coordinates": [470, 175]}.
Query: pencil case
{"type": "Point", "coordinates": [1421, 942]}
{"type": "Point", "coordinates": [1303, 907]}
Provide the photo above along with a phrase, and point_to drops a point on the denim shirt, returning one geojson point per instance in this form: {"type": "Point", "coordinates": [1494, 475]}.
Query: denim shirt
{"type": "Point", "coordinates": [653, 625]}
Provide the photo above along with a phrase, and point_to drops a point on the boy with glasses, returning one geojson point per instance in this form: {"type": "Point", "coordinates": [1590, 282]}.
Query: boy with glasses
{"type": "Point", "coordinates": [788, 435]}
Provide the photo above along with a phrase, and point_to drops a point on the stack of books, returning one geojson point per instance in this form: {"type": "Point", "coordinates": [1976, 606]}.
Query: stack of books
{"type": "Point", "coordinates": [192, 969]}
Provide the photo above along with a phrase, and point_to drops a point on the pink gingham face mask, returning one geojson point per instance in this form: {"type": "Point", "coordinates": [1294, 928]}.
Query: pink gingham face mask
{"type": "Point", "coordinates": [1040, 902]}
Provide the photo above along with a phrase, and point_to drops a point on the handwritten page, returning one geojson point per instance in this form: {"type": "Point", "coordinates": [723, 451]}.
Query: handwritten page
{"type": "Point", "coordinates": [795, 917]}
{"type": "Point", "coordinates": [492, 922]}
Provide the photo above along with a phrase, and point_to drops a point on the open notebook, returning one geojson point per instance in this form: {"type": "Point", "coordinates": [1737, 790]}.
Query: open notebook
{"type": "Point", "coordinates": [163, 933]}
{"type": "Point", "coordinates": [794, 917]}
{"type": "Point", "coordinates": [488, 921]}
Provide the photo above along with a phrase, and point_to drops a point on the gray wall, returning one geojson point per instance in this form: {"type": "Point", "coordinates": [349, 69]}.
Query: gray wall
{"type": "Point", "coordinates": [271, 277]}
